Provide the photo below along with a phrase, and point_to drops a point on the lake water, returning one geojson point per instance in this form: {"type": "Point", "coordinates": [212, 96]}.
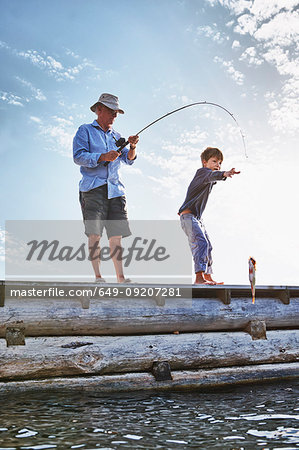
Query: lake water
{"type": "Point", "coordinates": [255, 417]}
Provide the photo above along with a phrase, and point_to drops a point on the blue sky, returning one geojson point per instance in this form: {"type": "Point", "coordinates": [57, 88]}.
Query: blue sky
{"type": "Point", "coordinates": [57, 58]}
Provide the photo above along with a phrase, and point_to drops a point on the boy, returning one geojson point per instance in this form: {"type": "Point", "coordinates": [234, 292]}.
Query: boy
{"type": "Point", "coordinates": [191, 211]}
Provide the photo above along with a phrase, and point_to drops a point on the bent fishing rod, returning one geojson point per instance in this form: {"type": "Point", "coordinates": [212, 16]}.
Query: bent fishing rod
{"type": "Point", "coordinates": [121, 143]}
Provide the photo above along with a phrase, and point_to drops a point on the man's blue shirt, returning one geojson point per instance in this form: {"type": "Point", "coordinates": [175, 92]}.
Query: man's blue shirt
{"type": "Point", "coordinates": [89, 143]}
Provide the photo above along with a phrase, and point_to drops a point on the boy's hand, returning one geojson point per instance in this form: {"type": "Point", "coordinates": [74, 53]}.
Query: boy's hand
{"type": "Point", "coordinates": [230, 173]}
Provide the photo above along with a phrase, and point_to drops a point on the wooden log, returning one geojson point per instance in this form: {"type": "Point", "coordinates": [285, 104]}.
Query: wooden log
{"type": "Point", "coordinates": [65, 356]}
{"type": "Point", "coordinates": [54, 317]}
{"type": "Point", "coordinates": [181, 380]}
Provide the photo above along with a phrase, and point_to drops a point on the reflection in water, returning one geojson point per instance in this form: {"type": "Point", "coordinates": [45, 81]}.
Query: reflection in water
{"type": "Point", "coordinates": [264, 416]}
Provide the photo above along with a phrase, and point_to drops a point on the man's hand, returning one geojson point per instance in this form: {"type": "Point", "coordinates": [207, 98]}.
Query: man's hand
{"type": "Point", "coordinates": [109, 156]}
{"type": "Point", "coordinates": [230, 173]}
{"type": "Point", "coordinates": [133, 141]}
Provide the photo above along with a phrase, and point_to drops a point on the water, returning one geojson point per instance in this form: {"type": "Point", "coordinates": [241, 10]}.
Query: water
{"type": "Point", "coordinates": [256, 417]}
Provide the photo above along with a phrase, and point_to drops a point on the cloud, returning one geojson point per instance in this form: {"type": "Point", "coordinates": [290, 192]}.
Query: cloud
{"type": "Point", "coordinates": [180, 99]}
{"type": "Point", "coordinates": [282, 30]}
{"type": "Point", "coordinates": [11, 99]}
{"type": "Point", "coordinates": [246, 24]}
{"type": "Point", "coordinates": [165, 186]}
{"type": "Point", "coordinates": [273, 28]}
{"type": "Point", "coordinates": [173, 164]}
{"type": "Point", "coordinates": [211, 32]}
{"type": "Point", "coordinates": [284, 110]}
{"type": "Point", "coordinates": [236, 75]}
{"type": "Point", "coordinates": [250, 56]}
{"type": "Point", "coordinates": [4, 45]}
{"type": "Point", "coordinates": [71, 53]}
{"type": "Point", "coordinates": [284, 64]}
{"type": "Point", "coordinates": [37, 93]}
{"type": "Point", "coordinates": [58, 135]}
{"type": "Point", "coordinates": [52, 66]}
{"type": "Point", "coordinates": [269, 22]}
{"type": "Point", "coordinates": [35, 119]}
{"type": "Point", "coordinates": [131, 170]}
{"type": "Point", "coordinates": [180, 158]}
{"type": "Point", "coordinates": [284, 107]}
{"type": "Point", "coordinates": [194, 137]}
{"type": "Point", "coordinates": [17, 100]}
{"type": "Point", "coordinates": [260, 9]}
{"type": "Point", "coordinates": [236, 44]}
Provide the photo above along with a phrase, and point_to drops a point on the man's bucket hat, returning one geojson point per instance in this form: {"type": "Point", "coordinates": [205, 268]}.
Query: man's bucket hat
{"type": "Point", "coordinates": [109, 100]}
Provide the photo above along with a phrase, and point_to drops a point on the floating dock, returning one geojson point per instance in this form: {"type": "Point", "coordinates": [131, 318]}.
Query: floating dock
{"type": "Point", "coordinates": [145, 337]}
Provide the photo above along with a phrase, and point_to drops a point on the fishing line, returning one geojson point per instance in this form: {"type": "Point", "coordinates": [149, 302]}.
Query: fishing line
{"type": "Point", "coordinates": [122, 143]}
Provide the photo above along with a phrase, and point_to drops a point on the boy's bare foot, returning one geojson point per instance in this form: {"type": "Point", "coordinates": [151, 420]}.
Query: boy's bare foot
{"type": "Point", "coordinates": [208, 278]}
{"type": "Point", "coordinates": [200, 279]}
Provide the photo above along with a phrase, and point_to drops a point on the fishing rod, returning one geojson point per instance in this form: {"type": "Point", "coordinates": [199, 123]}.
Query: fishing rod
{"type": "Point", "coordinates": [121, 143]}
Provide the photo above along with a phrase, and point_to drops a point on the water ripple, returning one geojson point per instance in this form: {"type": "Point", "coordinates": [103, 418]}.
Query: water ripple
{"type": "Point", "coordinates": [214, 420]}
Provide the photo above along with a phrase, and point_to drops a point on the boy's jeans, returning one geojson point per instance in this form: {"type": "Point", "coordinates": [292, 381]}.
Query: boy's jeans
{"type": "Point", "coordinates": [199, 242]}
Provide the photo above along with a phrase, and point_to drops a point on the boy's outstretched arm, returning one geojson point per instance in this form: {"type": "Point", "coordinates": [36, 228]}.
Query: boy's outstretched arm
{"type": "Point", "coordinates": [230, 173]}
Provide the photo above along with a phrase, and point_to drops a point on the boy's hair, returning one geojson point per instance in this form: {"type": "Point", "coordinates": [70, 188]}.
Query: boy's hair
{"type": "Point", "coordinates": [211, 152]}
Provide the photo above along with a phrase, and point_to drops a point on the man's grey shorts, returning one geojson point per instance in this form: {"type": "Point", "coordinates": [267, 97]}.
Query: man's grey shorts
{"type": "Point", "coordinates": [99, 212]}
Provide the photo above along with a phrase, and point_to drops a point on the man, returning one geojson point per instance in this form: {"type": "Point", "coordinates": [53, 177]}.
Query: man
{"type": "Point", "coordinates": [101, 191]}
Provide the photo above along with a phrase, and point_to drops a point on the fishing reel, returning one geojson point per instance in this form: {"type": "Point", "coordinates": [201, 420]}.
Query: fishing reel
{"type": "Point", "coordinates": [120, 142]}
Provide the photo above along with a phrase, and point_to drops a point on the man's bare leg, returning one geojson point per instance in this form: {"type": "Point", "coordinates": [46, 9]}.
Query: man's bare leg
{"type": "Point", "coordinates": [116, 255]}
{"type": "Point", "coordinates": [94, 253]}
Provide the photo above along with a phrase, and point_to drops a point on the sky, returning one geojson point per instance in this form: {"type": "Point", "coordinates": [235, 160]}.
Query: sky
{"type": "Point", "coordinates": [158, 55]}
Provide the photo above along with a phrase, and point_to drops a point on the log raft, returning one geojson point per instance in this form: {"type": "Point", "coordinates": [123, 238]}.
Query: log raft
{"type": "Point", "coordinates": [214, 336]}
